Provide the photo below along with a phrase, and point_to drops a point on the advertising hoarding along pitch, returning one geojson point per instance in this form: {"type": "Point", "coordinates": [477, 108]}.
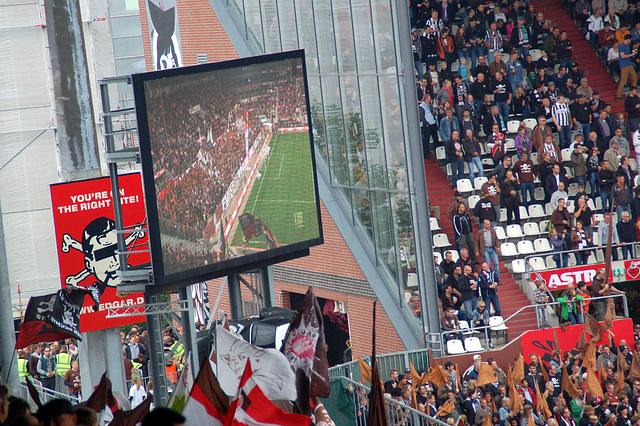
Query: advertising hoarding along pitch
{"type": "Point", "coordinates": [228, 166]}
{"type": "Point", "coordinates": [557, 279]}
{"type": "Point", "coordinates": [86, 242]}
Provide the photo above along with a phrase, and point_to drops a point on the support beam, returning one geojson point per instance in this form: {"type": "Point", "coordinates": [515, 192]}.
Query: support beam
{"type": "Point", "coordinates": [8, 357]}
{"type": "Point", "coordinates": [235, 296]}
{"type": "Point", "coordinates": [156, 355]}
{"type": "Point", "coordinates": [268, 289]}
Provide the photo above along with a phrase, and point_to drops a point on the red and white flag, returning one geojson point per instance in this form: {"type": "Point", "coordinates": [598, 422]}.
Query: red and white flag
{"type": "Point", "coordinates": [207, 404]}
{"type": "Point", "coordinates": [253, 408]}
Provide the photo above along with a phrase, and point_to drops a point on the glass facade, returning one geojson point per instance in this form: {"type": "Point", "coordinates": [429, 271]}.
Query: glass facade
{"type": "Point", "coordinates": [358, 122]}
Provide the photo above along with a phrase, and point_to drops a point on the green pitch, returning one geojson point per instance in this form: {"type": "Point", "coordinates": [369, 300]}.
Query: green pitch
{"type": "Point", "coordinates": [284, 197]}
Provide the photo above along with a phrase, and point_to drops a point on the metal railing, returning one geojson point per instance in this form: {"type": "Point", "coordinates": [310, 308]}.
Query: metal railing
{"type": "Point", "coordinates": [397, 412]}
{"type": "Point", "coordinates": [46, 394]}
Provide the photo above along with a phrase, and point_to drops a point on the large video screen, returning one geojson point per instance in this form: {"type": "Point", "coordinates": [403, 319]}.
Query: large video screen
{"type": "Point", "coordinates": [228, 166]}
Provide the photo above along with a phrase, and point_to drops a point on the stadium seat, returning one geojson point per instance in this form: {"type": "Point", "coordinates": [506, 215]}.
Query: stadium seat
{"type": "Point", "coordinates": [531, 229]}
{"type": "Point", "coordinates": [596, 239]}
{"type": "Point", "coordinates": [514, 231]}
{"type": "Point", "coordinates": [454, 347]}
{"type": "Point", "coordinates": [487, 164]}
{"type": "Point", "coordinates": [441, 153]}
{"type": "Point", "coordinates": [597, 218]}
{"type": "Point", "coordinates": [566, 155]}
{"type": "Point", "coordinates": [510, 144]}
{"type": "Point", "coordinates": [525, 247]}
{"type": "Point", "coordinates": [512, 126]}
{"type": "Point", "coordinates": [590, 204]}
{"type": "Point", "coordinates": [535, 55]}
{"type": "Point", "coordinates": [454, 254]}
{"type": "Point", "coordinates": [497, 324]}
{"type": "Point", "coordinates": [433, 224]}
{"type": "Point", "coordinates": [464, 326]}
{"type": "Point", "coordinates": [592, 260]}
{"type": "Point", "coordinates": [500, 233]}
{"type": "Point", "coordinates": [472, 344]}
{"type": "Point", "coordinates": [636, 180]}
{"type": "Point", "coordinates": [464, 186]}
{"type": "Point", "coordinates": [441, 241]}
{"type": "Point", "coordinates": [633, 163]}
{"type": "Point", "coordinates": [533, 157]}
{"type": "Point", "coordinates": [543, 226]}
{"type": "Point", "coordinates": [478, 182]}
{"type": "Point", "coordinates": [542, 245]}
{"type": "Point", "coordinates": [570, 206]}
{"type": "Point", "coordinates": [530, 123]}
{"type": "Point", "coordinates": [548, 209]}
{"type": "Point", "coordinates": [570, 174]}
{"type": "Point", "coordinates": [503, 215]}
{"type": "Point", "coordinates": [536, 212]}
{"type": "Point", "coordinates": [448, 170]}
{"type": "Point", "coordinates": [473, 200]}
{"type": "Point", "coordinates": [551, 264]}
{"type": "Point", "coordinates": [537, 264]}
{"type": "Point", "coordinates": [438, 255]}
{"type": "Point", "coordinates": [524, 214]}
{"type": "Point", "coordinates": [599, 203]}
{"type": "Point", "coordinates": [573, 189]}
{"type": "Point", "coordinates": [508, 250]}
{"type": "Point", "coordinates": [572, 259]}
{"type": "Point", "coordinates": [538, 193]}
{"type": "Point", "coordinates": [518, 266]}
{"type": "Point", "coordinates": [514, 158]}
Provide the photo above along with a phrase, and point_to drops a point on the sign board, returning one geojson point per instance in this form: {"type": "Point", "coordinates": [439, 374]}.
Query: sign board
{"type": "Point", "coordinates": [632, 269]}
{"type": "Point", "coordinates": [86, 242]}
{"type": "Point", "coordinates": [557, 279]}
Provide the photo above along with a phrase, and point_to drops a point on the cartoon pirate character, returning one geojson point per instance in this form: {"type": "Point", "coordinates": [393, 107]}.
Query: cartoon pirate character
{"type": "Point", "coordinates": [99, 245]}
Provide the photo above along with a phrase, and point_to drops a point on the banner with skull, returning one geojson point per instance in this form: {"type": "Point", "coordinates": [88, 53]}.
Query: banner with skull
{"type": "Point", "coordinates": [164, 34]}
{"type": "Point", "coordinates": [87, 242]}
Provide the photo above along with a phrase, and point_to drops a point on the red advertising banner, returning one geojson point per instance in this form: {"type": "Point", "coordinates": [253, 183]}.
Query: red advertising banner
{"type": "Point", "coordinates": [86, 241]}
{"type": "Point", "coordinates": [557, 279]}
{"type": "Point", "coordinates": [541, 343]}
{"type": "Point", "coordinates": [632, 269]}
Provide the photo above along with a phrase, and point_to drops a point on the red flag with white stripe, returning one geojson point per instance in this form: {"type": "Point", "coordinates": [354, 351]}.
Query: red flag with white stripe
{"type": "Point", "coordinates": [207, 404]}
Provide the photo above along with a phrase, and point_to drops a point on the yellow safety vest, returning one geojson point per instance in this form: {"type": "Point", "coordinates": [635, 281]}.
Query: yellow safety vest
{"type": "Point", "coordinates": [23, 368]}
{"type": "Point", "coordinates": [63, 363]}
{"type": "Point", "coordinates": [178, 350]}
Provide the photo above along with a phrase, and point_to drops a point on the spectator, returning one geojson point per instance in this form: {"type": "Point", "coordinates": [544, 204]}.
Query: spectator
{"type": "Point", "coordinates": [429, 126]}
{"type": "Point", "coordinates": [47, 369]}
{"type": "Point", "coordinates": [479, 89]}
{"type": "Point", "coordinates": [626, 171]}
{"type": "Point", "coordinates": [455, 157]}
{"type": "Point", "coordinates": [603, 235]}
{"type": "Point", "coordinates": [550, 147]}
{"type": "Point", "coordinates": [628, 234]}
{"type": "Point", "coordinates": [584, 89]}
{"type": "Point", "coordinates": [622, 124]}
{"type": "Point", "coordinates": [579, 165]}
{"type": "Point", "coordinates": [635, 205]}
{"type": "Point", "coordinates": [583, 213]}
{"type": "Point", "coordinates": [464, 231]}
{"type": "Point", "coordinates": [496, 143]}
{"type": "Point", "coordinates": [627, 72]}
{"type": "Point", "coordinates": [509, 189]}
{"type": "Point", "coordinates": [595, 24]}
{"type": "Point", "coordinates": [562, 120]}
{"type": "Point", "coordinates": [469, 122]}
{"type": "Point", "coordinates": [471, 147]}
{"type": "Point", "coordinates": [469, 290]}
{"type": "Point", "coordinates": [559, 245]}
{"type": "Point", "coordinates": [455, 202]}
{"type": "Point", "coordinates": [488, 246]}
{"type": "Point", "coordinates": [515, 72]}
{"type": "Point", "coordinates": [621, 141]}
{"type": "Point", "coordinates": [581, 115]}
{"type": "Point", "coordinates": [622, 196]}
{"type": "Point", "coordinates": [481, 321]}
{"type": "Point", "coordinates": [448, 125]}
{"type": "Point", "coordinates": [560, 218]}
{"type": "Point", "coordinates": [501, 171]}
{"type": "Point", "coordinates": [492, 191]}
{"type": "Point", "coordinates": [564, 50]}
{"type": "Point", "coordinates": [492, 119]}
{"type": "Point", "coordinates": [541, 132]}
{"type": "Point", "coordinates": [449, 322]}
{"type": "Point", "coordinates": [541, 297]}
{"type": "Point", "coordinates": [632, 108]}
{"type": "Point", "coordinates": [502, 91]}
{"type": "Point", "coordinates": [569, 305]}
{"type": "Point", "coordinates": [552, 182]}
{"type": "Point", "coordinates": [612, 19]}
{"type": "Point", "coordinates": [580, 240]}
{"type": "Point", "coordinates": [522, 141]}
{"type": "Point", "coordinates": [521, 38]}
{"type": "Point", "coordinates": [557, 195]}
{"type": "Point", "coordinates": [485, 210]}
{"type": "Point", "coordinates": [606, 180]}
{"type": "Point", "coordinates": [525, 172]}
{"type": "Point", "coordinates": [489, 280]}
{"type": "Point", "coordinates": [450, 298]}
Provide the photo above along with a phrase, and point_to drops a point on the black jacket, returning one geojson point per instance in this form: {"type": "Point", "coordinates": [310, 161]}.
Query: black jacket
{"type": "Point", "coordinates": [627, 232]}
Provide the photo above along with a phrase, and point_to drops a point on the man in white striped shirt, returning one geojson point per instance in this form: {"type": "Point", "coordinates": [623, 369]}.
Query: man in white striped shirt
{"type": "Point", "coordinates": [562, 119]}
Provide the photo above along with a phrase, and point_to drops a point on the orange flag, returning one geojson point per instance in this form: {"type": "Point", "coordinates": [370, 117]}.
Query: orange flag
{"type": "Point", "coordinates": [582, 344]}
{"type": "Point", "coordinates": [516, 400]}
{"type": "Point", "coordinates": [568, 386]}
{"type": "Point", "coordinates": [603, 373]}
{"type": "Point", "coordinates": [446, 408]}
{"type": "Point", "coordinates": [365, 371]}
{"type": "Point", "coordinates": [432, 363]}
{"type": "Point", "coordinates": [610, 315]}
{"type": "Point", "coordinates": [620, 383]}
{"type": "Point", "coordinates": [541, 404]}
{"type": "Point", "coordinates": [458, 377]}
{"type": "Point", "coordinates": [416, 378]}
{"type": "Point", "coordinates": [439, 377]}
{"type": "Point", "coordinates": [545, 374]}
{"type": "Point", "coordinates": [634, 371]}
{"type": "Point", "coordinates": [487, 420]}
{"type": "Point", "coordinates": [518, 370]}
{"type": "Point", "coordinates": [556, 344]}
{"type": "Point", "coordinates": [486, 375]}
{"type": "Point", "coordinates": [494, 409]}
{"type": "Point", "coordinates": [592, 384]}
{"type": "Point", "coordinates": [594, 328]}
{"type": "Point", "coordinates": [610, 422]}
{"type": "Point", "coordinates": [589, 358]}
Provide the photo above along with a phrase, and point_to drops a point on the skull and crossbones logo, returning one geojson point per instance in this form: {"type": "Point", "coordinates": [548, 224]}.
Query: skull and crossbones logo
{"type": "Point", "coordinates": [99, 245]}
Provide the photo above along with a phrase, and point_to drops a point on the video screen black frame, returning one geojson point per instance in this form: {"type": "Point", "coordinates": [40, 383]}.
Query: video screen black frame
{"type": "Point", "coordinates": [232, 265]}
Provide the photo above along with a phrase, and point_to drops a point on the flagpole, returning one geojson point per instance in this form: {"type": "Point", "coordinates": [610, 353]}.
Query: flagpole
{"type": "Point", "coordinates": [7, 328]}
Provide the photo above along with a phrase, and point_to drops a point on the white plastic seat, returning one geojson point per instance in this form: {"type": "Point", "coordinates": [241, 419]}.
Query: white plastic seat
{"type": "Point", "coordinates": [591, 205]}
{"type": "Point", "coordinates": [636, 180]}
{"type": "Point", "coordinates": [441, 153]}
{"type": "Point", "coordinates": [524, 214]}
{"type": "Point", "coordinates": [633, 163]}
{"type": "Point", "coordinates": [525, 247]}
{"type": "Point", "coordinates": [551, 263]}
{"type": "Point", "coordinates": [496, 323]}
{"type": "Point", "coordinates": [573, 189]}
{"type": "Point", "coordinates": [599, 203]}
{"type": "Point", "coordinates": [503, 215]}
{"type": "Point", "coordinates": [448, 169]}
{"type": "Point", "coordinates": [596, 239]}
{"type": "Point", "coordinates": [538, 193]}
{"type": "Point", "coordinates": [472, 344]}
{"type": "Point", "coordinates": [542, 245]}
{"type": "Point", "coordinates": [597, 218]}
{"type": "Point", "coordinates": [438, 255]}
{"type": "Point", "coordinates": [478, 182]}
{"type": "Point", "coordinates": [464, 185]}
{"type": "Point", "coordinates": [571, 206]}
{"type": "Point", "coordinates": [536, 211]}
{"type": "Point", "coordinates": [565, 154]}
{"type": "Point", "coordinates": [510, 144]}
{"type": "Point", "coordinates": [514, 231]}
{"type": "Point", "coordinates": [535, 55]}
{"type": "Point", "coordinates": [508, 250]}
{"type": "Point", "coordinates": [518, 266]}
{"type": "Point", "coordinates": [533, 156]}
{"type": "Point", "coordinates": [500, 233]}
{"type": "Point", "coordinates": [531, 123]}
{"type": "Point", "coordinates": [464, 326]}
{"type": "Point", "coordinates": [512, 126]}
{"type": "Point", "coordinates": [543, 226]}
{"type": "Point", "coordinates": [572, 259]}
{"type": "Point", "coordinates": [537, 264]}
{"type": "Point", "coordinates": [531, 229]}
{"type": "Point", "coordinates": [454, 254]}
{"type": "Point", "coordinates": [473, 200]}
{"type": "Point", "coordinates": [441, 241]}
{"type": "Point", "coordinates": [455, 347]}
{"type": "Point", "coordinates": [548, 209]}
{"type": "Point", "coordinates": [433, 224]}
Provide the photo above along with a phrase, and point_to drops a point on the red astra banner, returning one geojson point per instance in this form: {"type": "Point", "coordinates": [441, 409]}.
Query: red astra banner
{"type": "Point", "coordinates": [541, 343]}
{"type": "Point", "coordinates": [86, 242]}
{"type": "Point", "coordinates": [557, 279]}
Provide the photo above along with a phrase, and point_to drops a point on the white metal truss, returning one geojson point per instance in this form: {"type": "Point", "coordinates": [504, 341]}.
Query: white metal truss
{"type": "Point", "coordinates": [147, 309]}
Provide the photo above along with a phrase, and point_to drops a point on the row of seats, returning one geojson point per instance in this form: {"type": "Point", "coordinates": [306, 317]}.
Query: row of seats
{"type": "Point", "coordinates": [472, 343]}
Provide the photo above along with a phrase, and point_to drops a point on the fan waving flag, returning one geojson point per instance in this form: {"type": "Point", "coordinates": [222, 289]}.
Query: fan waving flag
{"type": "Point", "coordinates": [207, 404]}
{"type": "Point", "coordinates": [131, 417]}
{"type": "Point", "coordinates": [253, 408]}
{"type": "Point", "coordinates": [55, 316]}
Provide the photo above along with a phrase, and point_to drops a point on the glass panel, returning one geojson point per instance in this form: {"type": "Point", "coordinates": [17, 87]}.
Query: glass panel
{"type": "Point", "coordinates": [271, 27]}
{"type": "Point", "coordinates": [253, 19]}
{"type": "Point", "coordinates": [130, 66]}
{"type": "Point", "coordinates": [323, 33]}
{"type": "Point", "coordinates": [363, 35]}
{"type": "Point", "coordinates": [128, 46]}
{"type": "Point", "coordinates": [288, 30]}
{"type": "Point", "coordinates": [383, 29]}
{"type": "Point", "coordinates": [344, 36]}
{"type": "Point", "coordinates": [317, 115]}
{"type": "Point", "coordinates": [335, 130]}
{"type": "Point", "coordinates": [372, 132]}
{"type": "Point", "coordinates": [362, 205]}
{"type": "Point", "coordinates": [383, 230]}
{"type": "Point", "coordinates": [125, 26]}
{"type": "Point", "coordinates": [353, 126]}
{"type": "Point", "coordinates": [131, 5]}
{"type": "Point", "coordinates": [392, 121]}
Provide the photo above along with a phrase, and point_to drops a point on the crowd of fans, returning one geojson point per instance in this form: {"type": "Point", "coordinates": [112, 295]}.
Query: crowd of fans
{"type": "Point", "coordinates": [456, 398]}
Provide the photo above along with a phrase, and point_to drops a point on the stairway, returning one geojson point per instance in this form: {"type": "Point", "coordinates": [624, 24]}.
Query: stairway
{"type": "Point", "coordinates": [511, 296]}
{"type": "Point", "coordinates": [590, 64]}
